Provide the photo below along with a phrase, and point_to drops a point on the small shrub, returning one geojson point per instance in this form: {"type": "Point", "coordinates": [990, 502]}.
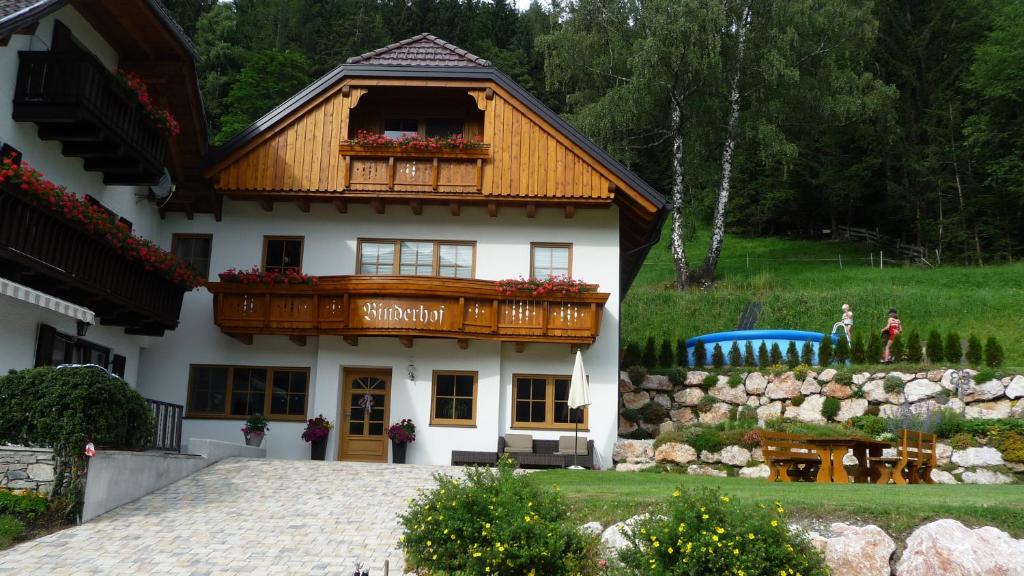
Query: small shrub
{"type": "Point", "coordinates": [952, 350]}
{"type": "Point", "coordinates": [858, 392]}
{"type": "Point", "coordinates": [915, 352]}
{"type": "Point", "coordinates": [709, 381]}
{"type": "Point", "coordinates": [984, 427]}
{"type": "Point", "coordinates": [858, 355]}
{"type": "Point", "coordinates": [631, 356]}
{"type": "Point", "coordinates": [747, 414]}
{"type": "Point", "coordinates": [700, 354]}
{"type": "Point", "coordinates": [792, 356]}
{"type": "Point", "coordinates": [800, 371]}
{"type": "Point", "coordinates": [494, 520]}
{"type": "Point", "coordinates": [630, 415]}
{"type": "Point", "coordinates": [735, 356]}
{"type": "Point", "coordinates": [873, 350]}
{"type": "Point", "coordinates": [871, 425]}
{"type": "Point", "coordinates": [948, 424]}
{"type": "Point", "coordinates": [682, 353]}
{"type": "Point", "coordinates": [1011, 444]}
{"type": "Point", "coordinates": [735, 380]}
{"type": "Point", "coordinates": [842, 350]}
{"type": "Point", "coordinates": [717, 357]}
{"type": "Point", "coordinates": [775, 355]}
{"type": "Point", "coordinates": [993, 353]}
{"type": "Point", "coordinates": [898, 350]}
{"type": "Point", "coordinates": [943, 396]}
{"type": "Point", "coordinates": [676, 376]}
{"type": "Point", "coordinates": [974, 351]}
{"type": "Point", "coordinates": [927, 421]}
{"type": "Point", "coordinates": [843, 377]}
{"type": "Point", "coordinates": [734, 413]}
{"type": "Point", "coordinates": [707, 439]}
{"type": "Point", "coordinates": [677, 436]}
{"type": "Point", "coordinates": [649, 359]}
{"type": "Point", "coordinates": [705, 404]}
{"type": "Point", "coordinates": [11, 529]}
{"type": "Point", "coordinates": [893, 384]}
{"type": "Point", "coordinates": [985, 375]}
{"type": "Point", "coordinates": [28, 506]}
{"type": "Point", "coordinates": [749, 359]}
{"type": "Point", "coordinates": [751, 439]}
{"type": "Point", "coordinates": [825, 351]}
{"type": "Point", "coordinates": [776, 369]}
{"type": "Point", "coordinates": [638, 434]}
{"type": "Point", "coordinates": [796, 400]}
{"type": "Point", "coordinates": [872, 410]}
{"type": "Point", "coordinates": [819, 430]}
{"type": "Point", "coordinates": [807, 353]}
{"type": "Point", "coordinates": [830, 408]}
{"type": "Point", "coordinates": [933, 349]}
{"type": "Point", "coordinates": [665, 356]}
{"type": "Point", "coordinates": [762, 356]}
{"type": "Point", "coordinates": [653, 413]}
{"type": "Point", "coordinates": [703, 532]}
{"type": "Point", "coordinates": [963, 441]}
{"type": "Point", "coordinates": [636, 374]}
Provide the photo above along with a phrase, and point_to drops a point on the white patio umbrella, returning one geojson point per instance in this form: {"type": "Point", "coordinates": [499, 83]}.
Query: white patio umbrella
{"type": "Point", "coordinates": [579, 396]}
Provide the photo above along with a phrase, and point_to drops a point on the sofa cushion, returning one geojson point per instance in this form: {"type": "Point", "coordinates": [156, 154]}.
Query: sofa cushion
{"type": "Point", "coordinates": [518, 443]}
{"type": "Point", "coordinates": [565, 446]}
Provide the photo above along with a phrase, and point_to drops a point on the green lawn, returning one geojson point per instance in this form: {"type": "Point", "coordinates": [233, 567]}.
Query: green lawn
{"type": "Point", "coordinates": [609, 496]}
{"type": "Point", "coordinates": [10, 530]}
{"type": "Point", "coordinates": [801, 285]}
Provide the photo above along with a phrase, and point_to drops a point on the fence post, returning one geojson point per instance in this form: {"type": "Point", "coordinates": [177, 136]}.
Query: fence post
{"type": "Point", "coordinates": [881, 260]}
{"type": "Point", "coordinates": [840, 261]}
{"type": "Point", "coordinates": [872, 255]}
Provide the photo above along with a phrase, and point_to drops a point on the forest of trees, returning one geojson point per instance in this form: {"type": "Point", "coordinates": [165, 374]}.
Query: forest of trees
{"type": "Point", "coordinates": [758, 117]}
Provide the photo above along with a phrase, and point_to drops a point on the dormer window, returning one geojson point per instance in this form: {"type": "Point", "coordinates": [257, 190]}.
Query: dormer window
{"type": "Point", "coordinates": [444, 127]}
{"type": "Point", "coordinates": [395, 128]}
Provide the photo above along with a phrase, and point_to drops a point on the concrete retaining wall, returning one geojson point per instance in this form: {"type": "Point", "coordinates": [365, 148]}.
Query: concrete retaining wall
{"type": "Point", "coordinates": [23, 468]}
{"type": "Point", "coordinates": [116, 477]}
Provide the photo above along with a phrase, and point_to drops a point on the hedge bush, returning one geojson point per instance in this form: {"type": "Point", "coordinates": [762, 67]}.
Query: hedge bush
{"type": "Point", "coordinates": [649, 358]}
{"type": "Point", "coordinates": [974, 350]}
{"type": "Point", "coordinates": [775, 354]}
{"type": "Point", "coordinates": [935, 352]}
{"type": "Point", "coordinates": [495, 521]}
{"type": "Point", "coordinates": [749, 359]}
{"type": "Point", "coordinates": [842, 350]}
{"type": "Point", "coordinates": [632, 355]}
{"type": "Point", "coordinates": [792, 355]}
{"type": "Point", "coordinates": [871, 425]}
{"type": "Point", "coordinates": [717, 356]}
{"type": "Point", "coordinates": [858, 354]}
{"type": "Point", "coordinates": [665, 356]}
{"type": "Point", "coordinates": [993, 353]}
{"type": "Point", "coordinates": [873, 350]}
{"type": "Point", "coordinates": [952, 350]}
{"type": "Point", "coordinates": [636, 374]}
{"type": "Point", "coordinates": [830, 408]}
{"type": "Point", "coordinates": [807, 354]}
{"type": "Point", "coordinates": [915, 353]}
{"type": "Point", "coordinates": [682, 354]}
{"type": "Point", "coordinates": [705, 532]}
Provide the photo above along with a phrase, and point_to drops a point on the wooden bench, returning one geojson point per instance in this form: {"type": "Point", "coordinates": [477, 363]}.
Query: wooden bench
{"type": "Point", "coordinates": [913, 463]}
{"type": "Point", "coordinates": [543, 455]}
{"type": "Point", "coordinates": [789, 457]}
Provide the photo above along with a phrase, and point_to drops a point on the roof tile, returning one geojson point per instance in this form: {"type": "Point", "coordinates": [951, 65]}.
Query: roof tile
{"type": "Point", "coordinates": [9, 7]}
{"type": "Point", "coordinates": [421, 50]}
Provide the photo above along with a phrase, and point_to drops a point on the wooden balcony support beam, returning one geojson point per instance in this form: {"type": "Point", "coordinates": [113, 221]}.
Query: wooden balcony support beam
{"type": "Point", "coordinates": [298, 339]}
{"type": "Point", "coordinates": [243, 338]}
{"type": "Point", "coordinates": [463, 343]}
{"type": "Point", "coordinates": [417, 207]}
{"type": "Point", "coordinates": [351, 340]}
{"type": "Point", "coordinates": [455, 207]}
{"type": "Point", "coordinates": [520, 347]}
{"type": "Point", "coordinates": [531, 209]}
{"type": "Point", "coordinates": [492, 209]}
{"type": "Point", "coordinates": [266, 204]}
{"type": "Point", "coordinates": [341, 205]}
{"type": "Point", "coordinates": [303, 204]}
{"type": "Point", "coordinates": [570, 210]}
{"type": "Point", "coordinates": [378, 205]}
{"type": "Point", "coordinates": [406, 341]}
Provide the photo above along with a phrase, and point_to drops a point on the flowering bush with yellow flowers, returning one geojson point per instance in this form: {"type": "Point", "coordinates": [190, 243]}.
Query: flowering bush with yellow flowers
{"type": "Point", "coordinates": [705, 532]}
{"type": "Point", "coordinates": [494, 522]}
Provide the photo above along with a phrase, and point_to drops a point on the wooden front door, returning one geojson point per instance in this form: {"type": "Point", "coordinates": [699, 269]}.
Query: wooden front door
{"type": "Point", "coordinates": [365, 399]}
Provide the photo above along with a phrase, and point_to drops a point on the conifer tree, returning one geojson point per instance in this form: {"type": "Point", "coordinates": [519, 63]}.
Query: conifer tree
{"type": "Point", "coordinates": [762, 356]}
{"type": "Point", "coordinates": [898, 350]}
{"type": "Point", "coordinates": [858, 355]}
{"type": "Point", "coordinates": [792, 355]}
{"type": "Point", "coordinates": [735, 356]}
{"type": "Point", "coordinates": [952, 351]}
{"type": "Point", "coordinates": [665, 356]}
{"type": "Point", "coordinates": [649, 358]}
{"type": "Point", "coordinates": [749, 359]}
{"type": "Point", "coordinates": [842, 350]}
{"type": "Point", "coordinates": [873, 350]}
{"type": "Point", "coordinates": [682, 353]}
{"type": "Point", "coordinates": [717, 356]}
{"type": "Point", "coordinates": [914, 352]}
{"type": "Point", "coordinates": [700, 355]}
{"type": "Point", "coordinates": [631, 357]}
{"type": "Point", "coordinates": [776, 354]}
{"type": "Point", "coordinates": [934, 348]}
{"type": "Point", "coordinates": [825, 351]}
{"type": "Point", "coordinates": [974, 351]}
{"type": "Point", "coordinates": [807, 353]}
{"type": "Point", "coordinates": [993, 353]}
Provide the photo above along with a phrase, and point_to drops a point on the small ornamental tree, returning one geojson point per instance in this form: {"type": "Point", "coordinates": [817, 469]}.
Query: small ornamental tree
{"type": "Point", "coordinates": [952, 351]}
{"type": "Point", "coordinates": [807, 353]}
{"type": "Point", "coordinates": [682, 354]}
{"type": "Point", "coordinates": [735, 356]}
{"type": "Point", "coordinates": [631, 356]}
{"type": "Point", "coordinates": [898, 350]}
{"type": "Point", "coordinates": [974, 351]}
{"type": "Point", "coordinates": [842, 350]}
{"type": "Point", "coordinates": [934, 349]}
{"type": "Point", "coordinates": [858, 355]}
{"type": "Point", "coordinates": [749, 359]}
{"type": "Point", "coordinates": [873, 350]}
{"type": "Point", "coordinates": [700, 355]}
{"type": "Point", "coordinates": [649, 358]}
{"type": "Point", "coordinates": [993, 353]}
{"type": "Point", "coordinates": [792, 356]}
{"type": "Point", "coordinates": [665, 356]}
{"type": "Point", "coordinates": [914, 352]}
{"type": "Point", "coordinates": [825, 351]}
{"type": "Point", "coordinates": [762, 356]}
{"type": "Point", "coordinates": [717, 356]}
{"type": "Point", "coordinates": [775, 356]}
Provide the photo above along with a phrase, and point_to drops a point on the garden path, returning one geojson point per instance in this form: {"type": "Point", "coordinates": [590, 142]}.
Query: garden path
{"type": "Point", "coordinates": [243, 516]}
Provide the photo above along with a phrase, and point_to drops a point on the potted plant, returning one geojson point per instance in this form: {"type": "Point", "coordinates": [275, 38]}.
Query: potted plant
{"type": "Point", "coordinates": [316, 432]}
{"type": "Point", "coordinates": [401, 434]}
{"type": "Point", "coordinates": [255, 429]}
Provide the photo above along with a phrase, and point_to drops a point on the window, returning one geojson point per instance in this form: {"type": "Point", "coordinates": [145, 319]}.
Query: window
{"type": "Point", "coordinates": [54, 348]}
{"type": "Point", "coordinates": [541, 401]}
{"type": "Point", "coordinates": [399, 127]}
{"type": "Point", "coordinates": [547, 260]}
{"type": "Point", "coordinates": [454, 399]}
{"type": "Point", "coordinates": [240, 391]}
{"type": "Point", "coordinates": [416, 258]}
{"type": "Point", "coordinates": [194, 249]}
{"type": "Point", "coordinates": [282, 253]}
{"type": "Point", "coordinates": [442, 127]}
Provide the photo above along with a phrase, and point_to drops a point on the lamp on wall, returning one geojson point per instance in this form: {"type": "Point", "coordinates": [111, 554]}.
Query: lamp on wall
{"type": "Point", "coordinates": [81, 327]}
{"type": "Point", "coordinates": [411, 370]}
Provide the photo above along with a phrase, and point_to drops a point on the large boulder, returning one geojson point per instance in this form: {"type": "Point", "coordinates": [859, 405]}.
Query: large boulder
{"type": "Point", "coordinates": [810, 386]}
{"type": "Point", "coordinates": [827, 374]}
{"type": "Point", "coordinates": [978, 392]}
{"type": "Point", "coordinates": [769, 411]}
{"type": "Point", "coordinates": [663, 399]}
{"type": "Point", "coordinates": [633, 467]}
{"type": "Point", "coordinates": [726, 393]}
{"type": "Point", "coordinates": [682, 416]}
{"type": "Point", "coordinates": [718, 413]}
{"type": "Point", "coordinates": [943, 477]}
{"type": "Point", "coordinates": [874, 391]}
{"type": "Point", "coordinates": [836, 390]}
{"type": "Point", "coordinates": [734, 456]}
{"type": "Point", "coordinates": [985, 476]}
{"type": "Point", "coordinates": [858, 550]}
{"type": "Point", "coordinates": [1017, 410]}
{"type": "Point", "coordinates": [624, 383]}
{"type": "Point", "coordinates": [921, 389]}
{"type": "Point", "coordinates": [593, 528]}
{"type": "Point", "coordinates": [689, 396]}
{"type": "Point", "coordinates": [759, 471]}
{"type": "Point", "coordinates": [625, 426]}
{"type": "Point", "coordinates": [943, 452]}
{"type": "Point", "coordinates": [633, 451]}
{"type": "Point", "coordinates": [695, 378]}
{"type": "Point", "coordinates": [755, 383]}
{"type": "Point", "coordinates": [675, 453]}
{"type": "Point", "coordinates": [666, 426]}
{"type": "Point", "coordinates": [810, 410]}
{"type": "Point", "coordinates": [656, 382]}
{"type": "Point", "coordinates": [702, 470]}
{"type": "Point", "coordinates": [851, 408]}
{"type": "Point", "coordinates": [635, 400]}
{"type": "Point", "coordinates": [935, 375]}
{"type": "Point", "coordinates": [613, 536]}
{"type": "Point", "coordinates": [973, 457]}
{"type": "Point", "coordinates": [784, 386]}
{"type": "Point", "coordinates": [948, 548]}
{"type": "Point", "coordinates": [1015, 389]}
{"type": "Point", "coordinates": [989, 410]}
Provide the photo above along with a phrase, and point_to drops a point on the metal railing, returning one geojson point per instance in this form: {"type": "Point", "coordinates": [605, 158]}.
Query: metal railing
{"type": "Point", "coordinates": [166, 425]}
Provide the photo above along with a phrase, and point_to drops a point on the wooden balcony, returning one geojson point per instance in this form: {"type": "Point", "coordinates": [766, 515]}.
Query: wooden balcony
{"type": "Point", "coordinates": [46, 253]}
{"type": "Point", "coordinates": [74, 99]}
{"type": "Point", "coordinates": [383, 169]}
{"type": "Point", "coordinates": [407, 307]}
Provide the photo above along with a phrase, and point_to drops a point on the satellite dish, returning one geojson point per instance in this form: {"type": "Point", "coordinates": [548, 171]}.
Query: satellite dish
{"type": "Point", "coordinates": [163, 188]}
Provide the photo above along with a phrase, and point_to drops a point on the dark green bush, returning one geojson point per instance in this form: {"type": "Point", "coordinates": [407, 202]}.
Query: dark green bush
{"type": "Point", "coordinates": [983, 428]}
{"type": "Point", "coordinates": [915, 353]}
{"type": "Point", "coordinates": [948, 423]}
{"type": "Point", "coordinates": [985, 375]}
{"type": "Point", "coordinates": [952, 351]}
{"type": "Point", "coordinates": [747, 414]}
{"type": "Point", "coordinates": [682, 353]}
{"type": "Point", "coordinates": [704, 532]}
{"type": "Point", "coordinates": [830, 408]}
{"type": "Point", "coordinates": [843, 377]}
{"type": "Point", "coordinates": [25, 506]}
{"type": "Point", "coordinates": [796, 400]}
{"type": "Point", "coordinates": [762, 356]}
{"type": "Point", "coordinates": [936, 353]}
{"type": "Point", "coordinates": [494, 521]}
{"type": "Point", "coordinates": [709, 381]}
{"type": "Point", "coordinates": [825, 351]}
{"type": "Point", "coordinates": [638, 434]}
{"type": "Point", "coordinates": [735, 356]}
{"type": "Point", "coordinates": [1011, 444]}
{"type": "Point", "coordinates": [705, 403]}
{"type": "Point", "coordinates": [717, 357]}
{"type": "Point", "coordinates": [707, 439]}
{"type": "Point", "coordinates": [858, 355]}
{"type": "Point", "coordinates": [700, 354]}
{"type": "Point", "coordinates": [775, 355]}
{"type": "Point", "coordinates": [974, 351]}
{"type": "Point", "coordinates": [871, 425]}
{"type": "Point", "coordinates": [842, 350]}
{"type": "Point", "coordinates": [893, 384]}
{"type": "Point", "coordinates": [676, 376]}
{"type": "Point", "coordinates": [807, 354]}
{"type": "Point", "coordinates": [630, 415]}
{"type": "Point", "coordinates": [963, 441]}
{"type": "Point", "coordinates": [11, 530]}
{"type": "Point", "coordinates": [631, 356]}
{"type": "Point", "coordinates": [636, 374]}
{"type": "Point", "coordinates": [665, 356]}
{"type": "Point", "coordinates": [792, 356]}
{"type": "Point", "coordinates": [735, 380]}
{"type": "Point", "coordinates": [653, 413]}
{"type": "Point", "coordinates": [649, 359]}
{"type": "Point", "coordinates": [898, 350]}
{"type": "Point", "coordinates": [749, 359]}
{"type": "Point", "coordinates": [993, 353]}
{"type": "Point", "coordinates": [873, 350]}
{"type": "Point", "coordinates": [677, 436]}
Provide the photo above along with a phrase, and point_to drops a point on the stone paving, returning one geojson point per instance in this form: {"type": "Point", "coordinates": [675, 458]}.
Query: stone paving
{"type": "Point", "coordinates": [243, 516]}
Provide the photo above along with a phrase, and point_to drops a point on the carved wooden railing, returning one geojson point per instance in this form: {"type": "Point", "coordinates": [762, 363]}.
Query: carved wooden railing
{"type": "Point", "coordinates": [391, 168]}
{"type": "Point", "coordinates": [406, 306]}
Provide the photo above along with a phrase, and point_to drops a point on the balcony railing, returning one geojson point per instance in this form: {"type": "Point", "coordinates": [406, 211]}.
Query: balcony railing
{"type": "Point", "coordinates": [44, 252]}
{"type": "Point", "coordinates": [74, 99]}
{"type": "Point", "coordinates": [166, 425]}
{"type": "Point", "coordinates": [381, 169]}
{"type": "Point", "coordinates": [408, 307]}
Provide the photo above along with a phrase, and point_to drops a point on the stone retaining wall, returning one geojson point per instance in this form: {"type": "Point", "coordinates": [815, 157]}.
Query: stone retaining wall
{"type": "Point", "coordinates": [23, 468]}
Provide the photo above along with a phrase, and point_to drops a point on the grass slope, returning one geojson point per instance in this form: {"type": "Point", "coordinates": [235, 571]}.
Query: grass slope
{"type": "Point", "coordinates": [801, 285]}
{"type": "Point", "coordinates": [609, 496]}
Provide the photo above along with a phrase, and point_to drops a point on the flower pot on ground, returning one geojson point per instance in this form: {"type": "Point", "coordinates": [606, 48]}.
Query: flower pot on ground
{"type": "Point", "coordinates": [255, 430]}
{"type": "Point", "coordinates": [401, 434]}
{"type": "Point", "coordinates": [316, 433]}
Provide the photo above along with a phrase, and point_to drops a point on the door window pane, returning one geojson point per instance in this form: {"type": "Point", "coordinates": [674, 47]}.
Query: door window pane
{"type": "Point", "coordinates": [377, 258]}
{"type": "Point", "coordinates": [417, 259]}
{"type": "Point", "coordinates": [248, 391]}
{"type": "Point", "coordinates": [283, 254]}
{"type": "Point", "coordinates": [455, 260]}
{"type": "Point", "coordinates": [195, 250]}
{"type": "Point", "coordinates": [550, 261]}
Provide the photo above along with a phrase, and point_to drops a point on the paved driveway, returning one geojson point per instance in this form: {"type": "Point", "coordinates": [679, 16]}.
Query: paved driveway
{"type": "Point", "coordinates": [242, 516]}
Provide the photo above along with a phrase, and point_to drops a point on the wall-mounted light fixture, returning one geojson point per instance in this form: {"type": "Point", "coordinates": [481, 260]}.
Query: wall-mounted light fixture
{"type": "Point", "coordinates": [411, 370]}
{"type": "Point", "coordinates": [81, 327]}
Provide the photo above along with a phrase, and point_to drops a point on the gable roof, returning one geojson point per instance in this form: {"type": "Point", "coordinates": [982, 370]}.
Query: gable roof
{"type": "Point", "coordinates": [420, 50]}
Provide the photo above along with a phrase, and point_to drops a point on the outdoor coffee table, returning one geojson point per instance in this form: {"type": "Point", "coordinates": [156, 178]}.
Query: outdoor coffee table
{"type": "Point", "coordinates": [833, 449]}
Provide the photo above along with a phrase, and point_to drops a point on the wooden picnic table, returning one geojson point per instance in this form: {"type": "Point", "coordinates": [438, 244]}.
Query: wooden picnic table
{"type": "Point", "coordinates": [833, 449]}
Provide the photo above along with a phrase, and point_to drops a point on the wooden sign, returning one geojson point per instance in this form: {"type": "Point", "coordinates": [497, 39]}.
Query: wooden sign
{"type": "Point", "coordinates": [403, 313]}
